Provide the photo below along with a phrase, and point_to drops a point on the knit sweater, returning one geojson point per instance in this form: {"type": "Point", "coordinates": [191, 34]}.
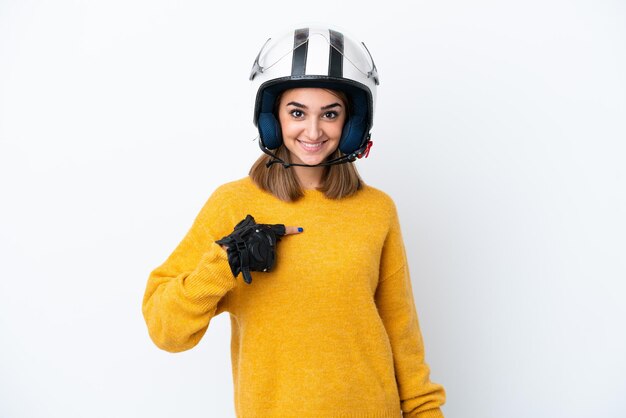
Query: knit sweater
{"type": "Point", "coordinates": [331, 331]}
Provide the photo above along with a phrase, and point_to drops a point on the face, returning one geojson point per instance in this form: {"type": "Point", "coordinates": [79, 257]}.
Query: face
{"type": "Point", "coordinates": [311, 120]}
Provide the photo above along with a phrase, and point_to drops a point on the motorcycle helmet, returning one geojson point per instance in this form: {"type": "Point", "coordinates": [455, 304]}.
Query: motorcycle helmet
{"type": "Point", "coordinates": [321, 57]}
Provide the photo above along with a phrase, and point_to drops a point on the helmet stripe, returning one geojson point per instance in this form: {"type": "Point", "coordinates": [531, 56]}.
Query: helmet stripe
{"type": "Point", "coordinates": [335, 59]}
{"type": "Point", "coordinates": [301, 46]}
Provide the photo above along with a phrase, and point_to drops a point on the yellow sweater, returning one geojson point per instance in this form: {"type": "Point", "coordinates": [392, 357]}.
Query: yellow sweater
{"type": "Point", "coordinates": [332, 331]}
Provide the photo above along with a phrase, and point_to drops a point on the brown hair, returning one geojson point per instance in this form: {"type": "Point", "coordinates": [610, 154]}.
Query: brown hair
{"type": "Point", "coordinates": [338, 180]}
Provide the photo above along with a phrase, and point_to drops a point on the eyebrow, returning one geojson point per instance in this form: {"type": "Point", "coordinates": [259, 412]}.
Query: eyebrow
{"type": "Point", "coordinates": [300, 105]}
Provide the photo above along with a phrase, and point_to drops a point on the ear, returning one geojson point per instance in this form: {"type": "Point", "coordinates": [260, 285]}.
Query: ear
{"type": "Point", "coordinates": [352, 135]}
{"type": "Point", "coordinates": [269, 130]}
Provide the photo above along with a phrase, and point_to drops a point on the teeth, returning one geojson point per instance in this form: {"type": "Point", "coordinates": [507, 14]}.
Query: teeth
{"type": "Point", "coordinates": [312, 146]}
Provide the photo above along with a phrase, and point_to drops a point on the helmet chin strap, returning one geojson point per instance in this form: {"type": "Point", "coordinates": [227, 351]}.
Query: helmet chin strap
{"type": "Point", "coordinates": [348, 158]}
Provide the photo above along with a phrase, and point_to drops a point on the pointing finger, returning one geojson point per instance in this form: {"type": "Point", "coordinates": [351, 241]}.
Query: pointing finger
{"type": "Point", "coordinates": [293, 230]}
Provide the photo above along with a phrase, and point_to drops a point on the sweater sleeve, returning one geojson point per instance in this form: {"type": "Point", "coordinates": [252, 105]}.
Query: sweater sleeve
{"type": "Point", "coordinates": [185, 292]}
{"type": "Point", "coordinates": [419, 397]}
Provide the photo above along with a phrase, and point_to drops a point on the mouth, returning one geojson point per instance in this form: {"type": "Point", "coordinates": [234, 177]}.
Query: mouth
{"type": "Point", "coordinates": [311, 146]}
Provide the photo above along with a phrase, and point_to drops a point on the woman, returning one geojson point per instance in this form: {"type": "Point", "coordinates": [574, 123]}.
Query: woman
{"type": "Point", "coordinates": [323, 322]}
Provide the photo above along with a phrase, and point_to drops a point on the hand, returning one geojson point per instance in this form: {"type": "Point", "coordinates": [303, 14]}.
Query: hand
{"type": "Point", "coordinates": [252, 246]}
{"type": "Point", "coordinates": [288, 230]}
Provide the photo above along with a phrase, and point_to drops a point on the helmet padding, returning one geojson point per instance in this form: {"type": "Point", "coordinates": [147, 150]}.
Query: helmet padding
{"type": "Point", "coordinates": [355, 130]}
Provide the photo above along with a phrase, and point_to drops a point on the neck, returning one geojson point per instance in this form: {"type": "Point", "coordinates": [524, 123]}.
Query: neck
{"type": "Point", "coordinates": [309, 177]}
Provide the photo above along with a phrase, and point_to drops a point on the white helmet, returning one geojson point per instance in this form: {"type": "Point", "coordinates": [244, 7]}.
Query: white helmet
{"type": "Point", "coordinates": [315, 57]}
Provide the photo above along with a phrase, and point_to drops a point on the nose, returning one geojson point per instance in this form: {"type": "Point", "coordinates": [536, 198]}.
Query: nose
{"type": "Point", "coordinates": [313, 129]}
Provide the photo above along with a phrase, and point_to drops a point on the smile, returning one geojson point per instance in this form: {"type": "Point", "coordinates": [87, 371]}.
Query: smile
{"type": "Point", "coordinates": [311, 146]}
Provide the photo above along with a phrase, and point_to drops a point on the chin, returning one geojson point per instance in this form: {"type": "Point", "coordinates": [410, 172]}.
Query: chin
{"type": "Point", "coordinates": [313, 161]}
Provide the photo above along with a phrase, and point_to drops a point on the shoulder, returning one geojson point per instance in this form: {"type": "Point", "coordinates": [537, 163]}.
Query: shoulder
{"type": "Point", "coordinates": [222, 202]}
{"type": "Point", "coordinates": [232, 188]}
{"type": "Point", "coordinates": [377, 205]}
{"type": "Point", "coordinates": [224, 197]}
{"type": "Point", "coordinates": [378, 197]}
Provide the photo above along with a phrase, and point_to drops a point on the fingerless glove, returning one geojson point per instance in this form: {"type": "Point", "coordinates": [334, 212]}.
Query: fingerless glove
{"type": "Point", "coordinates": [252, 247]}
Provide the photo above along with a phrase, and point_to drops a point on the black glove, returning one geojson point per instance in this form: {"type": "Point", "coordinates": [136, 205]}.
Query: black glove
{"type": "Point", "coordinates": [251, 246]}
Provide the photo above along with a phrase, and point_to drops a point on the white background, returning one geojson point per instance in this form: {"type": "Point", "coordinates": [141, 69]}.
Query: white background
{"type": "Point", "coordinates": [499, 132]}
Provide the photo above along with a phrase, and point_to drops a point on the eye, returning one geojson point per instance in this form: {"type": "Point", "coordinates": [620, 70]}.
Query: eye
{"type": "Point", "coordinates": [331, 115]}
{"type": "Point", "coordinates": [296, 113]}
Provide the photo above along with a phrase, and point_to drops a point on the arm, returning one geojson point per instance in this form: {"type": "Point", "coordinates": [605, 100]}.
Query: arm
{"type": "Point", "coordinates": [420, 398]}
{"type": "Point", "coordinates": [188, 289]}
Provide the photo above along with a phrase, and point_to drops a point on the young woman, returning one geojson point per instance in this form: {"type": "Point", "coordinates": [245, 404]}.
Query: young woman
{"type": "Point", "coordinates": [323, 317]}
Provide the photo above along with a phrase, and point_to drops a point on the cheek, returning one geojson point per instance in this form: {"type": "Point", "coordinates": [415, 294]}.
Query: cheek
{"type": "Point", "coordinates": [288, 129]}
{"type": "Point", "coordinates": [336, 130]}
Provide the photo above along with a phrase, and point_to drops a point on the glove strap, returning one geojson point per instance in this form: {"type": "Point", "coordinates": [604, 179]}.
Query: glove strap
{"type": "Point", "coordinates": [244, 259]}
